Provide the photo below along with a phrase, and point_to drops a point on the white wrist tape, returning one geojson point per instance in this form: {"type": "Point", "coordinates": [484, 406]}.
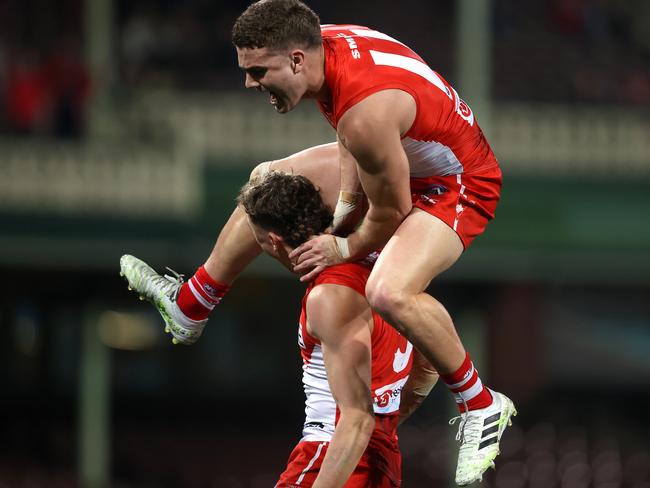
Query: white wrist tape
{"type": "Point", "coordinates": [346, 204]}
{"type": "Point", "coordinates": [342, 244]}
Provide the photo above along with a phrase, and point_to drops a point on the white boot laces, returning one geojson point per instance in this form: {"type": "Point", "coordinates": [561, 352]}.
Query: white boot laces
{"type": "Point", "coordinates": [460, 435]}
{"type": "Point", "coordinates": [175, 280]}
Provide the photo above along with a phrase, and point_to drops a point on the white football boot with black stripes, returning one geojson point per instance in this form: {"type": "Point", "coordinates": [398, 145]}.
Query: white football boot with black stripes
{"type": "Point", "coordinates": [479, 434]}
{"type": "Point", "coordinates": [162, 291]}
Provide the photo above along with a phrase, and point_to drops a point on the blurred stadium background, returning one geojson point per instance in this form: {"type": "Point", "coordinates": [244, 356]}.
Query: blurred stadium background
{"type": "Point", "coordinates": [124, 127]}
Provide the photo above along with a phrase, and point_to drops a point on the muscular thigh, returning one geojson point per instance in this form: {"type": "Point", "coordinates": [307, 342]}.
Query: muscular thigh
{"type": "Point", "coordinates": [421, 248]}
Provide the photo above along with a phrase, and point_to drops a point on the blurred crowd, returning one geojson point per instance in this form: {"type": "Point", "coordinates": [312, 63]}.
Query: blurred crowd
{"type": "Point", "coordinates": [564, 51]}
{"type": "Point", "coordinates": [573, 51]}
{"type": "Point", "coordinates": [561, 51]}
{"type": "Point", "coordinates": [43, 93]}
{"type": "Point", "coordinates": [44, 84]}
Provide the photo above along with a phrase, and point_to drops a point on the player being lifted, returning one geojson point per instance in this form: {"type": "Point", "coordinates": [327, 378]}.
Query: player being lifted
{"type": "Point", "coordinates": [361, 378]}
{"type": "Point", "coordinates": [432, 182]}
{"type": "Point", "coordinates": [357, 370]}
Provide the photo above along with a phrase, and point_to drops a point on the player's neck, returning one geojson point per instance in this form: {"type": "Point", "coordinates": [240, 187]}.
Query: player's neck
{"type": "Point", "coordinates": [317, 85]}
{"type": "Point", "coordinates": [283, 257]}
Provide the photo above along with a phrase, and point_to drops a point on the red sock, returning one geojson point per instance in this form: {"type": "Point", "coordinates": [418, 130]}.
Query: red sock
{"type": "Point", "coordinates": [200, 294]}
{"type": "Point", "coordinates": [466, 385]}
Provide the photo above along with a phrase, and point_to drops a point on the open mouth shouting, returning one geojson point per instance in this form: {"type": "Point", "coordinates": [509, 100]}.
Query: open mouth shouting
{"type": "Point", "coordinates": [276, 101]}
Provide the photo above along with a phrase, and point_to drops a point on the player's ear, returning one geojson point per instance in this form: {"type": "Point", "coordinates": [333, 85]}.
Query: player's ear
{"type": "Point", "coordinates": [297, 60]}
{"type": "Point", "coordinates": [276, 241]}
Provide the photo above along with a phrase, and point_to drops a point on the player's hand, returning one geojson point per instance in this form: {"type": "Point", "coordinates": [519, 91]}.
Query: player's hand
{"type": "Point", "coordinates": [313, 256]}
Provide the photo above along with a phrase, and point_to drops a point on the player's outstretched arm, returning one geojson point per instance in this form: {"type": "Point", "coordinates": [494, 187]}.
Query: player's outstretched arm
{"type": "Point", "coordinates": [422, 379]}
{"type": "Point", "coordinates": [345, 335]}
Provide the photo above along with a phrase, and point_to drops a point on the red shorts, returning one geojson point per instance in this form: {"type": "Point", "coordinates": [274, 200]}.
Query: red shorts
{"type": "Point", "coordinates": [464, 202]}
{"type": "Point", "coordinates": [375, 469]}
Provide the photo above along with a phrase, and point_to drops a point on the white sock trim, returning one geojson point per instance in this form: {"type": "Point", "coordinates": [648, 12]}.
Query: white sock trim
{"type": "Point", "coordinates": [470, 393]}
{"type": "Point", "coordinates": [199, 297]}
{"type": "Point", "coordinates": [464, 381]}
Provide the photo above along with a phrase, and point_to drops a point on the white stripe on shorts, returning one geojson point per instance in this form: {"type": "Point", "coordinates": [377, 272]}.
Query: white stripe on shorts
{"type": "Point", "coordinates": [459, 207]}
{"type": "Point", "coordinates": [311, 463]}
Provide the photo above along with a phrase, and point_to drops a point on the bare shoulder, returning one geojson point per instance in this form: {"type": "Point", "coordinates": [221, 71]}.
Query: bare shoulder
{"type": "Point", "coordinates": [386, 109]}
{"type": "Point", "coordinates": [331, 296]}
{"type": "Point", "coordinates": [330, 307]}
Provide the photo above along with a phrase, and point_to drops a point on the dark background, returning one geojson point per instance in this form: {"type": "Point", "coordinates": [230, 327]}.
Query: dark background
{"type": "Point", "coordinates": [553, 301]}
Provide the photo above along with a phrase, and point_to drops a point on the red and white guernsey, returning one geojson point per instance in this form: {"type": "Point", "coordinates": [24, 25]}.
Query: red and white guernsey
{"type": "Point", "coordinates": [391, 365]}
{"type": "Point", "coordinates": [444, 138]}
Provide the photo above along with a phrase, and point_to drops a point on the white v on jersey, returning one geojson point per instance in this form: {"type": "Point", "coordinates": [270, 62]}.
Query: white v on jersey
{"type": "Point", "coordinates": [391, 362]}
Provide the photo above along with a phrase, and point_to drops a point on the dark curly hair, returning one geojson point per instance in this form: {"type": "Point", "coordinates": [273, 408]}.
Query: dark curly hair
{"type": "Point", "coordinates": [287, 204]}
{"type": "Point", "coordinates": [277, 24]}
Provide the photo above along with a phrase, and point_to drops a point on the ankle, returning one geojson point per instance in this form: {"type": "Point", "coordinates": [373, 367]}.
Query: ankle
{"type": "Point", "coordinates": [199, 295]}
{"type": "Point", "coordinates": [467, 387]}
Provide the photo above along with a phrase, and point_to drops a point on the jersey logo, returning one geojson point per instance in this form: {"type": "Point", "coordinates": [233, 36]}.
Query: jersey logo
{"type": "Point", "coordinates": [463, 109]}
{"type": "Point", "coordinates": [387, 398]}
{"type": "Point", "coordinates": [401, 359]}
{"type": "Point", "coordinates": [354, 49]}
{"type": "Point", "coordinates": [384, 399]}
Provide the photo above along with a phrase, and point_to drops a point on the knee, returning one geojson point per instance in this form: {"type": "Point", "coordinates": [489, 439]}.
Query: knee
{"type": "Point", "coordinates": [388, 301]}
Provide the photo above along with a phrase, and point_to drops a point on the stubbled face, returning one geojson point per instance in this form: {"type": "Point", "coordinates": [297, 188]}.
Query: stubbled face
{"type": "Point", "coordinates": [273, 72]}
{"type": "Point", "coordinates": [263, 239]}
{"type": "Point", "coordinates": [273, 246]}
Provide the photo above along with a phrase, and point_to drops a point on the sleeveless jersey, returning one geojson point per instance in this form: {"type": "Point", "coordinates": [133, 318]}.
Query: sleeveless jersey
{"type": "Point", "coordinates": [444, 138]}
{"type": "Point", "coordinates": [391, 365]}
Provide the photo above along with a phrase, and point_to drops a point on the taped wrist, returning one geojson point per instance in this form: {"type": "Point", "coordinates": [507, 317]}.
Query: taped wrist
{"type": "Point", "coordinates": [347, 203]}
{"type": "Point", "coordinates": [342, 248]}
